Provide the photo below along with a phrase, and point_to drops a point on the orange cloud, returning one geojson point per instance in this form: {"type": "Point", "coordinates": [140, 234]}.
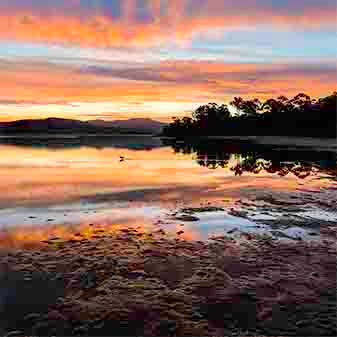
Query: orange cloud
{"type": "Point", "coordinates": [173, 81]}
{"type": "Point", "coordinates": [99, 29]}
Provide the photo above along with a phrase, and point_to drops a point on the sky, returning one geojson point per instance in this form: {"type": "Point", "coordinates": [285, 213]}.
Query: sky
{"type": "Point", "coordinates": [118, 59]}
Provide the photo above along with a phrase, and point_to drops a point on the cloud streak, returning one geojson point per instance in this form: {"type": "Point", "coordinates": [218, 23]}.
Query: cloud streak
{"type": "Point", "coordinates": [31, 83]}
{"type": "Point", "coordinates": [151, 22]}
{"type": "Point", "coordinates": [187, 72]}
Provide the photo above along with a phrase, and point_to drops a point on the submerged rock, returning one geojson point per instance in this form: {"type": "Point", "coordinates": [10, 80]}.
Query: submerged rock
{"type": "Point", "coordinates": [186, 217]}
{"type": "Point", "coordinates": [231, 231]}
{"type": "Point", "coordinates": [238, 213]}
{"type": "Point", "coordinates": [282, 235]}
{"type": "Point", "coordinates": [202, 209]}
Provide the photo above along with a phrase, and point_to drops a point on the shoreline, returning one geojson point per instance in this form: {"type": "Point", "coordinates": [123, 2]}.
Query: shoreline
{"type": "Point", "coordinates": [133, 283]}
{"type": "Point", "coordinates": [74, 135]}
{"type": "Point", "coordinates": [304, 141]}
{"type": "Point", "coordinates": [328, 143]}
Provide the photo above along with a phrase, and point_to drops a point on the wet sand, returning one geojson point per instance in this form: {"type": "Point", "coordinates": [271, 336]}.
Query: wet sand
{"type": "Point", "coordinates": [131, 283]}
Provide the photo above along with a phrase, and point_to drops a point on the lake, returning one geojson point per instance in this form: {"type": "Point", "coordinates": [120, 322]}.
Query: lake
{"type": "Point", "coordinates": [66, 187]}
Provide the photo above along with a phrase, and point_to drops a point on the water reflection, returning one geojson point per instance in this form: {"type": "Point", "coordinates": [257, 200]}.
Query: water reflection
{"type": "Point", "coordinates": [253, 158]}
{"type": "Point", "coordinates": [40, 173]}
{"type": "Point", "coordinates": [80, 181]}
{"type": "Point", "coordinates": [62, 142]}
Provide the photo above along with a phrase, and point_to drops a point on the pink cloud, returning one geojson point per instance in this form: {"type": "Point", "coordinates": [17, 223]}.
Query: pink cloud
{"type": "Point", "coordinates": [103, 25]}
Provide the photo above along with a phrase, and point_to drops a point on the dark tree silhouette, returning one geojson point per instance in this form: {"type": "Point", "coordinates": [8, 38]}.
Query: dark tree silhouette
{"type": "Point", "coordinates": [298, 116]}
{"type": "Point", "coordinates": [249, 108]}
{"type": "Point", "coordinates": [208, 117]}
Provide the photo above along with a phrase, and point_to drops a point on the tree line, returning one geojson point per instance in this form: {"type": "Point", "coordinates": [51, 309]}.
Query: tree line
{"type": "Point", "coordinates": [281, 116]}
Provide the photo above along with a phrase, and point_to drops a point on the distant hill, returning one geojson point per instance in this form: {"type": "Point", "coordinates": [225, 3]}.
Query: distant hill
{"type": "Point", "coordinates": [141, 124]}
{"type": "Point", "coordinates": [62, 125]}
{"type": "Point", "coordinates": [43, 125]}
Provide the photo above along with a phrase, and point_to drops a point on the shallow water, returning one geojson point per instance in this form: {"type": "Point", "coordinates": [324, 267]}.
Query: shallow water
{"type": "Point", "coordinates": [140, 182]}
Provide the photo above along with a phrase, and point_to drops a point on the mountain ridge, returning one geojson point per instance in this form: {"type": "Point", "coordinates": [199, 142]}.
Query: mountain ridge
{"type": "Point", "coordinates": [55, 124]}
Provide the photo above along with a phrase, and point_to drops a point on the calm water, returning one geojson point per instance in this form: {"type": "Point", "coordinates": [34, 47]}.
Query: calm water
{"type": "Point", "coordinates": [60, 186]}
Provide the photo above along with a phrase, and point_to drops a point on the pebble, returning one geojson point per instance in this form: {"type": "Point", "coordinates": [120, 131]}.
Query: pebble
{"type": "Point", "coordinates": [167, 328]}
{"type": "Point", "coordinates": [41, 329]}
{"type": "Point", "coordinates": [80, 330]}
{"type": "Point", "coordinates": [136, 274]}
{"type": "Point", "coordinates": [88, 280]}
{"type": "Point", "coordinates": [60, 301]}
{"type": "Point", "coordinates": [16, 333]}
{"type": "Point", "coordinates": [32, 317]}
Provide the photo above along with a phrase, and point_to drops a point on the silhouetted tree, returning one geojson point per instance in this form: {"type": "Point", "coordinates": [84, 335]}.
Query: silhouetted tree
{"type": "Point", "coordinates": [210, 115]}
{"type": "Point", "coordinates": [247, 108]}
{"type": "Point", "coordinates": [298, 116]}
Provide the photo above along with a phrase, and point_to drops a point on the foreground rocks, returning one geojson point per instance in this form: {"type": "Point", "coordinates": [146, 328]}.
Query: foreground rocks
{"type": "Point", "coordinates": [131, 284]}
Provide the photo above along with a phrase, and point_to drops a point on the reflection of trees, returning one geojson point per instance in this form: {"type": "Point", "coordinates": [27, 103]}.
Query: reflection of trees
{"type": "Point", "coordinates": [254, 159]}
{"type": "Point", "coordinates": [211, 157]}
{"type": "Point", "coordinates": [212, 163]}
{"type": "Point", "coordinates": [299, 169]}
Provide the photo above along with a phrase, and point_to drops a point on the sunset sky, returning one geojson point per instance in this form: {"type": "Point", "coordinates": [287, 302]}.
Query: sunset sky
{"type": "Point", "coordinates": [116, 59]}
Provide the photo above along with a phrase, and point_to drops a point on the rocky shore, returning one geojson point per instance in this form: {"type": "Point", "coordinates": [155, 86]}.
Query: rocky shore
{"type": "Point", "coordinates": [149, 284]}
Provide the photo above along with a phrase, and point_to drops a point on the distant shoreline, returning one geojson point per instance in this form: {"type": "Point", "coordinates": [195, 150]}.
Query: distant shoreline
{"type": "Point", "coordinates": [330, 143]}
{"type": "Point", "coordinates": [74, 136]}
{"type": "Point", "coordinates": [326, 143]}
